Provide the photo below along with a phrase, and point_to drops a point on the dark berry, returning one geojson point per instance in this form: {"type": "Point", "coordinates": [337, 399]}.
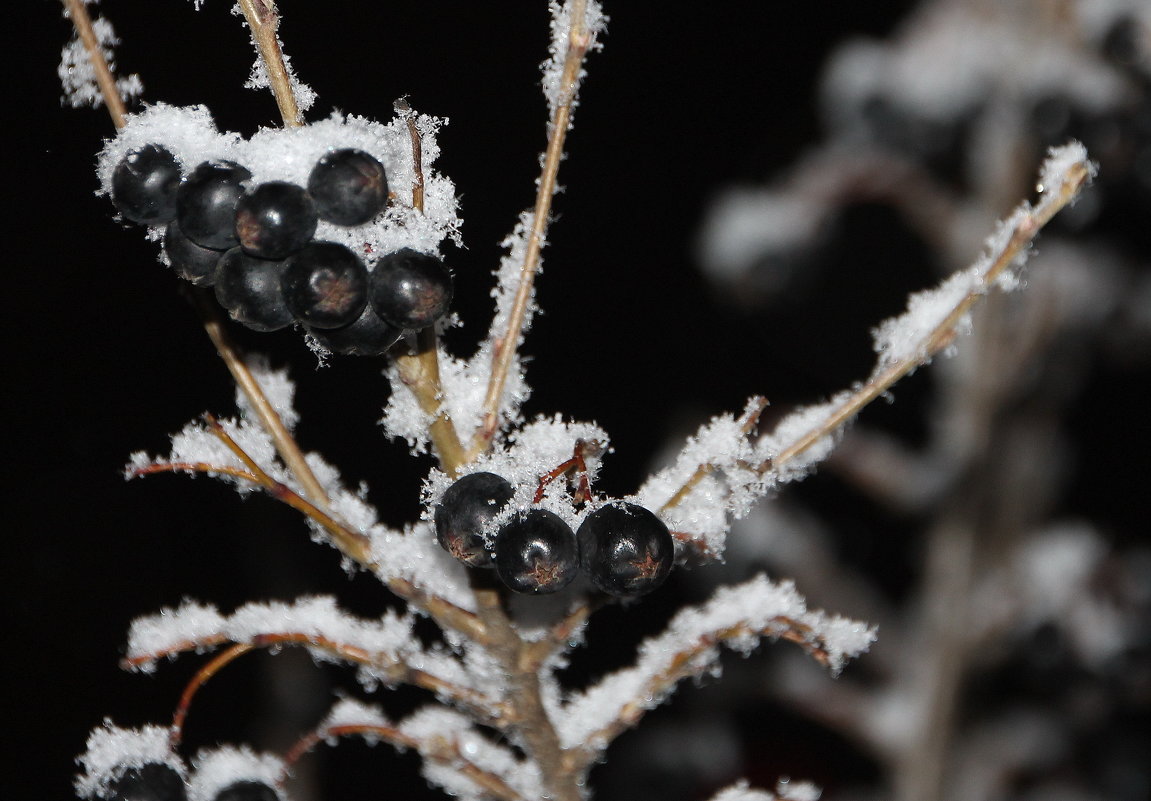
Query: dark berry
{"type": "Point", "coordinates": [349, 186]}
{"type": "Point", "coordinates": [247, 791]}
{"type": "Point", "coordinates": [625, 549]}
{"type": "Point", "coordinates": [206, 203]}
{"type": "Point", "coordinates": [367, 336]}
{"type": "Point", "coordinates": [191, 262]}
{"type": "Point", "coordinates": [275, 220]}
{"type": "Point", "coordinates": [152, 782]}
{"type": "Point", "coordinates": [325, 285]}
{"type": "Point", "coordinates": [249, 288]}
{"type": "Point", "coordinates": [464, 510]}
{"type": "Point", "coordinates": [410, 290]}
{"type": "Point", "coordinates": [535, 552]}
{"type": "Point", "coordinates": [144, 185]}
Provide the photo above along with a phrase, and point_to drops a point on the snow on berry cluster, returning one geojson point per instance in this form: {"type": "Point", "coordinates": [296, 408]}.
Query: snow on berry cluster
{"type": "Point", "coordinates": [295, 225]}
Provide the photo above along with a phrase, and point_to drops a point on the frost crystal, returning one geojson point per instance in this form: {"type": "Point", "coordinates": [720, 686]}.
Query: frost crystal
{"type": "Point", "coordinates": [219, 768]}
{"type": "Point", "coordinates": [79, 78]}
{"type": "Point", "coordinates": [594, 24]}
{"type": "Point", "coordinates": [111, 751]}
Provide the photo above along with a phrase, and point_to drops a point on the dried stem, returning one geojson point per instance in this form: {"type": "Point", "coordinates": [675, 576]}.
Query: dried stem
{"type": "Point", "coordinates": [579, 41]}
{"type": "Point", "coordinates": [263, 19]}
{"type": "Point", "coordinates": [199, 680]}
{"type": "Point", "coordinates": [82, 22]}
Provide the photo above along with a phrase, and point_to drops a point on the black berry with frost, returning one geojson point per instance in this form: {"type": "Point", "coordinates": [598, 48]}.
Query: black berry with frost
{"type": "Point", "coordinates": [249, 288]}
{"type": "Point", "coordinates": [367, 336]}
{"type": "Point", "coordinates": [464, 511]}
{"type": "Point", "coordinates": [325, 285]}
{"type": "Point", "coordinates": [191, 262]}
{"type": "Point", "coordinates": [206, 203]}
{"type": "Point", "coordinates": [625, 549]}
{"type": "Point", "coordinates": [151, 782]}
{"type": "Point", "coordinates": [535, 552]}
{"type": "Point", "coordinates": [349, 186]}
{"type": "Point", "coordinates": [411, 290]}
{"type": "Point", "coordinates": [144, 185]}
{"type": "Point", "coordinates": [247, 791]}
{"type": "Point", "coordinates": [275, 219]}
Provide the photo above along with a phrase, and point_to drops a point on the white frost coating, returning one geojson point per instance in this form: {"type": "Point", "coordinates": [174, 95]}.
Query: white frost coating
{"type": "Point", "coordinates": [729, 490]}
{"type": "Point", "coordinates": [219, 768]}
{"type": "Point", "coordinates": [111, 751]}
{"type": "Point", "coordinates": [561, 25]}
{"type": "Point", "coordinates": [415, 556]}
{"type": "Point", "coordinates": [784, 789]}
{"type": "Point", "coordinates": [797, 791]}
{"type": "Point", "coordinates": [278, 388]}
{"type": "Point", "coordinates": [289, 154]}
{"type": "Point", "coordinates": [752, 606]}
{"type": "Point", "coordinates": [905, 338]}
{"type": "Point", "coordinates": [77, 76]}
{"type": "Point", "coordinates": [1058, 167]}
{"type": "Point", "coordinates": [305, 95]}
{"type": "Point", "coordinates": [168, 629]}
{"type": "Point", "coordinates": [431, 724]}
{"type": "Point", "coordinates": [350, 712]}
{"type": "Point", "coordinates": [791, 429]}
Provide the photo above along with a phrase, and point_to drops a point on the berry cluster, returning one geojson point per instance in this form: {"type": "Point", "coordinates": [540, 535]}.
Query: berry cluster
{"type": "Point", "coordinates": [158, 781]}
{"type": "Point", "coordinates": [623, 548]}
{"type": "Point", "coordinates": [254, 245]}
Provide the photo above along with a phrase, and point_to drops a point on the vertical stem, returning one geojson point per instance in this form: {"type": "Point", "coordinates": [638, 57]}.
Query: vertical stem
{"type": "Point", "coordinates": [263, 18]}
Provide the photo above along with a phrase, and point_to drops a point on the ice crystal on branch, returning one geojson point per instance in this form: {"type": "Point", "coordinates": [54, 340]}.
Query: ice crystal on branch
{"type": "Point", "coordinates": [78, 76]}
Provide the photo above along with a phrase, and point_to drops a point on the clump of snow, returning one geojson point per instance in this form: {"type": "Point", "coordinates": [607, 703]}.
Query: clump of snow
{"type": "Point", "coordinates": [289, 154]}
{"type": "Point", "coordinates": [277, 387]}
{"type": "Point", "coordinates": [905, 338]}
{"type": "Point", "coordinates": [167, 630]}
{"type": "Point", "coordinates": [797, 791]}
{"type": "Point", "coordinates": [784, 789]}
{"type": "Point", "coordinates": [738, 616]}
{"type": "Point", "coordinates": [305, 96]}
{"type": "Point", "coordinates": [111, 751]}
{"type": "Point", "coordinates": [220, 768]}
{"type": "Point", "coordinates": [77, 76]}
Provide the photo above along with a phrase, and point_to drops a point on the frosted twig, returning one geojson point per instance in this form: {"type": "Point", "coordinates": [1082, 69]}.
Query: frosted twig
{"type": "Point", "coordinates": [263, 19]}
{"type": "Point", "coordinates": [283, 440]}
{"type": "Point", "coordinates": [579, 41]}
{"type": "Point", "coordinates": [435, 749]}
{"type": "Point", "coordinates": [82, 22]}
{"type": "Point", "coordinates": [1023, 226]}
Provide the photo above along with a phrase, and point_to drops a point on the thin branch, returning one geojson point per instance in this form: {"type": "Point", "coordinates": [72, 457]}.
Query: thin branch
{"type": "Point", "coordinates": [579, 41]}
{"type": "Point", "coordinates": [199, 680]}
{"type": "Point", "coordinates": [436, 749]}
{"type": "Point", "coordinates": [263, 19]}
{"type": "Point", "coordinates": [82, 22]}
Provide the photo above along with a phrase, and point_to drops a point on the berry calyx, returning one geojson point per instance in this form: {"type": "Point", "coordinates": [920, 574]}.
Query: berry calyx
{"type": "Point", "coordinates": [464, 511]}
{"type": "Point", "coordinates": [247, 791]}
{"type": "Point", "coordinates": [206, 203]}
{"type": "Point", "coordinates": [349, 186]}
{"type": "Point", "coordinates": [325, 285]}
{"type": "Point", "coordinates": [249, 288]}
{"type": "Point", "coordinates": [625, 549]}
{"type": "Point", "coordinates": [535, 552]}
{"type": "Point", "coordinates": [154, 781]}
{"type": "Point", "coordinates": [410, 290]}
{"type": "Point", "coordinates": [144, 185]}
{"type": "Point", "coordinates": [275, 220]}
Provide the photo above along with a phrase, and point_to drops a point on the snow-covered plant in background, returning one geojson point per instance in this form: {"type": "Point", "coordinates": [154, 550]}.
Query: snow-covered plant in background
{"type": "Point", "coordinates": [499, 723]}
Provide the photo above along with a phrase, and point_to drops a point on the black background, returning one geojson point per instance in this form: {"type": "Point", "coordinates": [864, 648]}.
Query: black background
{"type": "Point", "coordinates": [106, 357]}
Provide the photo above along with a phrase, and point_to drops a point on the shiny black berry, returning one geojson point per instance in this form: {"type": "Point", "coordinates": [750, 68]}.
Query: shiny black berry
{"type": "Point", "coordinates": [152, 782]}
{"type": "Point", "coordinates": [247, 791]}
{"type": "Point", "coordinates": [325, 285]}
{"type": "Point", "coordinates": [249, 288]}
{"type": "Point", "coordinates": [206, 203]}
{"type": "Point", "coordinates": [535, 552]}
{"type": "Point", "coordinates": [191, 262]}
{"type": "Point", "coordinates": [625, 549]}
{"type": "Point", "coordinates": [275, 219]}
{"type": "Point", "coordinates": [464, 510]}
{"type": "Point", "coordinates": [144, 185]}
{"type": "Point", "coordinates": [349, 186]}
{"type": "Point", "coordinates": [367, 336]}
{"type": "Point", "coordinates": [410, 290]}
